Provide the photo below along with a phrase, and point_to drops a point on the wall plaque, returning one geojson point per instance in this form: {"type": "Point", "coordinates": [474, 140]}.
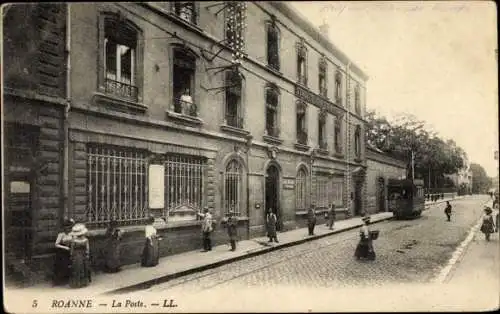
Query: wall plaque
{"type": "Point", "coordinates": [156, 186]}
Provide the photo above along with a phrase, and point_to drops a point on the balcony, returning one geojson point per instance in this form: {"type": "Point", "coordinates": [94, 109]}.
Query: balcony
{"type": "Point", "coordinates": [302, 140]}
{"type": "Point", "coordinates": [184, 112]}
{"type": "Point", "coordinates": [121, 89]}
{"type": "Point", "coordinates": [234, 124]}
{"type": "Point", "coordinates": [271, 135]}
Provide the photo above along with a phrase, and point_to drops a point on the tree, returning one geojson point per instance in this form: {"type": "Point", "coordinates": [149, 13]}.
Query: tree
{"type": "Point", "coordinates": [481, 183]}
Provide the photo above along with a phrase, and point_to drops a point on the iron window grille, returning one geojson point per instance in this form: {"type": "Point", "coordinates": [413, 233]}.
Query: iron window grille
{"type": "Point", "coordinates": [233, 188]}
{"type": "Point", "coordinates": [301, 190]}
{"type": "Point", "coordinates": [117, 184]}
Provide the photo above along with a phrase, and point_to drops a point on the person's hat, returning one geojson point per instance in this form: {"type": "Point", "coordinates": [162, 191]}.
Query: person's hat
{"type": "Point", "coordinates": [487, 209]}
{"type": "Point", "coordinates": [78, 230]}
{"type": "Point", "coordinates": [367, 218]}
{"type": "Point", "coordinates": [68, 222]}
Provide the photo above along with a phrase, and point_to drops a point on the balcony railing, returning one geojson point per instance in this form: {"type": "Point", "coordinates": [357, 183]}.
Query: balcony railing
{"type": "Point", "coordinates": [185, 108]}
{"type": "Point", "coordinates": [121, 89]}
{"type": "Point", "coordinates": [234, 121]}
{"type": "Point", "coordinates": [323, 145]}
{"type": "Point", "coordinates": [272, 131]}
{"type": "Point", "coordinates": [302, 137]}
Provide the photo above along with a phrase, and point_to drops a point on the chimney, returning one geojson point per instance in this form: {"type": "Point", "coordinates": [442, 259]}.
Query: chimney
{"type": "Point", "coordinates": [324, 30]}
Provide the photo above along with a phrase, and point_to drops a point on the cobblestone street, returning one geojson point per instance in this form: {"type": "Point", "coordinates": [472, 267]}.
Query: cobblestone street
{"type": "Point", "coordinates": [410, 251]}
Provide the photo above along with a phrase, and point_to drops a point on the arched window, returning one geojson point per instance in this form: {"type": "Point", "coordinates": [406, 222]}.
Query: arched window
{"type": "Point", "coordinates": [184, 71]}
{"type": "Point", "coordinates": [273, 45]}
{"type": "Point", "coordinates": [233, 110]}
{"type": "Point", "coordinates": [233, 188]}
{"type": "Point", "coordinates": [272, 103]}
{"type": "Point", "coordinates": [338, 88]}
{"type": "Point", "coordinates": [301, 190]}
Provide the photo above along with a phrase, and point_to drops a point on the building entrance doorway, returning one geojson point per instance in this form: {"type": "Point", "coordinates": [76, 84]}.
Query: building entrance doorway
{"type": "Point", "coordinates": [272, 194]}
{"type": "Point", "coordinates": [381, 194]}
{"type": "Point", "coordinates": [357, 198]}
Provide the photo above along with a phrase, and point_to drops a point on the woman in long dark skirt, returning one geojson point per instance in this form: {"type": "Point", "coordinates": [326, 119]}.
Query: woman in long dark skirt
{"type": "Point", "coordinates": [112, 250]}
{"type": "Point", "coordinates": [62, 262]}
{"type": "Point", "coordinates": [364, 249]}
{"type": "Point", "coordinates": [488, 226]}
{"type": "Point", "coordinates": [150, 253]}
{"type": "Point", "coordinates": [80, 258]}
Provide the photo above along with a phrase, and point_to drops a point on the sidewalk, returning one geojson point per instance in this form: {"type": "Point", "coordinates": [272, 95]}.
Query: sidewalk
{"type": "Point", "coordinates": [133, 277]}
{"type": "Point", "coordinates": [431, 203]}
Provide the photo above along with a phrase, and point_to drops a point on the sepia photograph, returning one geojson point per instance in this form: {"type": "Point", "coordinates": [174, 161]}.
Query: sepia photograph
{"type": "Point", "coordinates": [250, 156]}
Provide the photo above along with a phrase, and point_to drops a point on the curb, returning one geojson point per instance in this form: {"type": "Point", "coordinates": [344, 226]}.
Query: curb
{"type": "Point", "coordinates": [149, 283]}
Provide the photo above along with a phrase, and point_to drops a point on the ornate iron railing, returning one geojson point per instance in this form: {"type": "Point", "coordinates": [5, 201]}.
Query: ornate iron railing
{"type": "Point", "coordinates": [234, 121]}
{"type": "Point", "coordinates": [185, 108]}
{"type": "Point", "coordinates": [121, 89]}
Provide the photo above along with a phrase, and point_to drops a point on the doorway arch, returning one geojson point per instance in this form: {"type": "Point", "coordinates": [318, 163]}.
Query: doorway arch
{"type": "Point", "coordinates": [272, 192]}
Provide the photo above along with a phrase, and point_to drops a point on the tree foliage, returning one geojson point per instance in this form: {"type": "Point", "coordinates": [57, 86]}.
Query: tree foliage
{"type": "Point", "coordinates": [433, 156]}
{"type": "Point", "coordinates": [481, 183]}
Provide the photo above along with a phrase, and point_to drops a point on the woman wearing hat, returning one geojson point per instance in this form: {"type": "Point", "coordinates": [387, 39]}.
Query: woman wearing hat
{"type": "Point", "coordinates": [112, 262]}
{"type": "Point", "coordinates": [80, 257]}
{"type": "Point", "coordinates": [231, 223]}
{"type": "Point", "coordinates": [62, 261]}
{"type": "Point", "coordinates": [151, 252]}
{"type": "Point", "coordinates": [488, 226]}
{"type": "Point", "coordinates": [364, 248]}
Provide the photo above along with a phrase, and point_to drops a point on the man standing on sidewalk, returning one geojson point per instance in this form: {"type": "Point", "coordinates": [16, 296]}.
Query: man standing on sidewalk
{"type": "Point", "coordinates": [271, 221]}
{"type": "Point", "coordinates": [331, 216]}
{"type": "Point", "coordinates": [206, 228]}
{"type": "Point", "coordinates": [447, 210]}
{"type": "Point", "coordinates": [311, 219]}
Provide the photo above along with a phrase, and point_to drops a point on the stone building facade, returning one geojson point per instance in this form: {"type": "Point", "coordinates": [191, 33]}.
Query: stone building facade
{"type": "Point", "coordinates": [162, 122]}
{"type": "Point", "coordinates": [381, 168]}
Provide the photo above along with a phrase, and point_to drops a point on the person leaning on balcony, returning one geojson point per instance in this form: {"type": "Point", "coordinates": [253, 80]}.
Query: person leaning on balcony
{"type": "Point", "coordinates": [151, 252]}
{"type": "Point", "coordinates": [186, 102]}
{"type": "Point", "coordinates": [311, 219]}
{"type": "Point", "coordinates": [206, 229]}
{"type": "Point", "coordinates": [62, 260]}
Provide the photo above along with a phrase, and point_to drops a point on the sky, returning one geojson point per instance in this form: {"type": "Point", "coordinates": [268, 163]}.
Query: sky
{"type": "Point", "coordinates": [434, 60]}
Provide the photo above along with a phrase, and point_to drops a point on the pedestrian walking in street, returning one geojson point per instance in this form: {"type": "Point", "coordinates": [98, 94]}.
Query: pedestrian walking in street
{"type": "Point", "coordinates": [80, 257]}
{"type": "Point", "coordinates": [271, 221]}
{"type": "Point", "coordinates": [207, 226]}
{"type": "Point", "coordinates": [151, 250]}
{"type": "Point", "coordinates": [112, 262]}
{"type": "Point", "coordinates": [311, 219]}
{"type": "Point", "coordinates": [488, 226]}
{"type": "Point", "coordinates": [331, 217]}
{"type": "Point", "coordinates": [364, 249]}
{"type": "Point", "coordinates": [231, 223]}
{"type": "Point", "coordinates": [447, 210]}
{"type": "Point", "coordinates": [62, 262]}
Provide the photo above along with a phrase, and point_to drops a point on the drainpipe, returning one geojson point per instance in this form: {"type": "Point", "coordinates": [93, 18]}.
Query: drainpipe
{"type": "Point", "coordinates": [66, 112]}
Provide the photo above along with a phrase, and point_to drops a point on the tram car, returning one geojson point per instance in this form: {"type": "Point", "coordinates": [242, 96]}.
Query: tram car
{"type": "Point", "coordinates": [406, 198]}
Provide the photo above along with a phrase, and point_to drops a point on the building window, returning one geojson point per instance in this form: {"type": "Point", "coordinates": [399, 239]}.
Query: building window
{"type": "Point", "coordinates": [302, 63]}
{"type": "Point", "coordinates": [117, 185]}
{"type": "Point", "coordinates": [338, 88]}
{"type": "Point", "coordinates": [323, 188]}
{"type": "Point", "coordinates": [321, 130]}
{"type": "Point", "coordinates": [233, 115]}
{"type": "Point", "coordinates": [357, 142]}
{"type": "Point", "coordinates": [322, 78]}
{"type": "Point", "coordinates": [301, 123]}
{"type": "Point", "coordinates": [336, 193]}
{"type": "Point", "coordinates": [357, 103]}
{"type": "Point", "coordinates": [184, 177]}
{"type": "Point", "coordinates": [120, 44]}
{"type": "Point", "coordinates": [273, 44]}
{"type": "Point", "coordinates": [272, 103]}
{"type": "Point", "coordinates": [233, 188]}
{"type": "Point", "coordinates": [301, 190]}
{"type": "Point", "coordinates": [186, 10]}
{"type": "Point", "coordinates": [184, 81]}
{"type": "Point", "coordinates": [338, 136]}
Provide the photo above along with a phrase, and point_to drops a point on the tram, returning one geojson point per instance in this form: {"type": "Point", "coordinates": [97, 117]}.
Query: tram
{"type": "Point", "coordinates": [406, 198]}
